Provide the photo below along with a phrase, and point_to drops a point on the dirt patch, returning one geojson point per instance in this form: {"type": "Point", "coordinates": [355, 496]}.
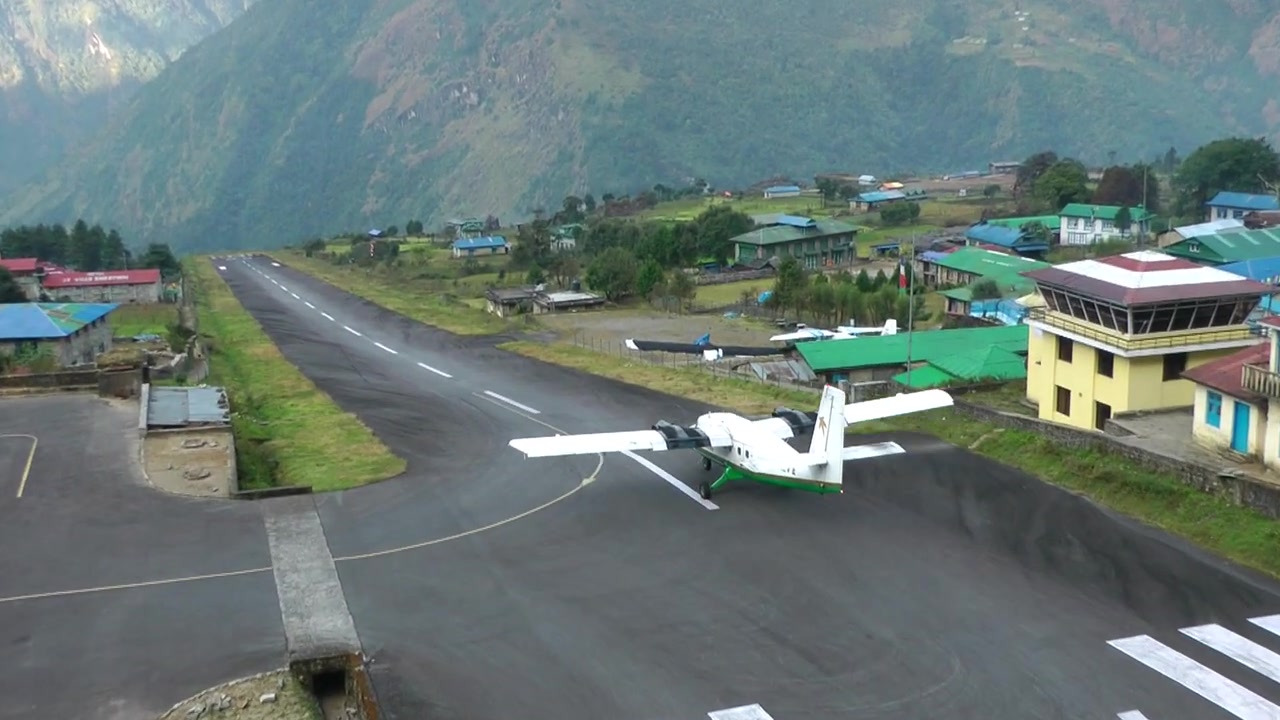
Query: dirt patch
{"type": "Point", "coordinates": [607, 329]}
{"type": "Point", "coordinates": [191, 463]}
{"type": "Point", "coordinates": [285, 697]}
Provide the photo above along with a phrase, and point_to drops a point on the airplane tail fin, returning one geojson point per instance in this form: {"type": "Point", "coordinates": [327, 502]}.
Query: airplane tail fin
{"type": "Point", "coordinates": [890, 327]}
{"type": "Point", "coordinates": [828, 434]}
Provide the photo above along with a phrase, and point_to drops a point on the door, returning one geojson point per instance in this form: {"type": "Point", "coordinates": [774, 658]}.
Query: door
{"type": "Point", "coordinates": [1101, 414]}
{"type": "Point", "coordinates": [1240, 428]}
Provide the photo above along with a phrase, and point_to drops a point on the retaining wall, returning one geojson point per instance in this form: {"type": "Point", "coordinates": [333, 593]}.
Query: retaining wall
{"type": "Point", "coordinates": [51, 381]}
{"type": "Point", "coordinates": [1241, 489]}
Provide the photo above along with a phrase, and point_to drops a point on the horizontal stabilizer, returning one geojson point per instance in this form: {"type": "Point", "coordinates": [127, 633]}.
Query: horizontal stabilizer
{"type": "Point", "coordinates": [896, 405]}
{"type": "Point", "coordinates": [862, 452]}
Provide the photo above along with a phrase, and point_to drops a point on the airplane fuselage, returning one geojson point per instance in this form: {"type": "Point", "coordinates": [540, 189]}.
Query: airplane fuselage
{"type": "Point", "coordinates": [761, 456]}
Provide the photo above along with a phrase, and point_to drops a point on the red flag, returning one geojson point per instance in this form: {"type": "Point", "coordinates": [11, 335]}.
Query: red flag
{"type": "Point", "coordinates": [902, 276]}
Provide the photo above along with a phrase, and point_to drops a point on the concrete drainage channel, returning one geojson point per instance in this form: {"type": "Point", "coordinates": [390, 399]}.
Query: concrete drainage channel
{"type": "Point", "coordinates": [340, 686]}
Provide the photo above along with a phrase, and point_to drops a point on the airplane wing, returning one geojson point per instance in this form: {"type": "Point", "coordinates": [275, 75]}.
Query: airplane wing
{"type": "Point", "coordinates": [664, 436]}
{"type": "Point", "coordinates": [896, 405]}
{"type": "Point", "coordinates": [695, 349]}
{"type": "Point", "coordinates": [805, 334]}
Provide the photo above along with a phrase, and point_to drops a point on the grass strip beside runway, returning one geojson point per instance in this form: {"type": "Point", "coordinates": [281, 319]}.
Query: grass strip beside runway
{"type": "Point", "coordinates": [288, 431]}
{"type": "Point", "coordinates": [398, 291]}
{"type": "Point", "coordinates": [1110, 479]}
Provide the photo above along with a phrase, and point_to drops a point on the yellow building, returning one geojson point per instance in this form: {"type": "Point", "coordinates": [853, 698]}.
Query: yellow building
{"type": "Point", "coordinates": [1116, 333]}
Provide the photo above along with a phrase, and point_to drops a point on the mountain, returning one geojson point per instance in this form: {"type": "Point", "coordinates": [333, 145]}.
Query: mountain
{"type": "Point", "coordinates": [302, 119]}
{"type": "Point", "coordinates": [66, 66]}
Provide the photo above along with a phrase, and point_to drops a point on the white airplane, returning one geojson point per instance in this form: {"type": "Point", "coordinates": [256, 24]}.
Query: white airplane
{"type": "Point", "coordinates": [844, 332]}
{"type": "Point", "coordinates": [757, 450]}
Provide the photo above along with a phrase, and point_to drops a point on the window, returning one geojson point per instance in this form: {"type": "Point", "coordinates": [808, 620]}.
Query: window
{"type": "Point", "coordinates": [1174, 365]}
{"type": "Point", "coordinates": [1065, 349]}
{"type": "Point", "coordinates": [1213, 409]}
{"type": "Point", "coordinates": [1063, 401]}
{"type": "Point", "coordinates": [1106, 364]}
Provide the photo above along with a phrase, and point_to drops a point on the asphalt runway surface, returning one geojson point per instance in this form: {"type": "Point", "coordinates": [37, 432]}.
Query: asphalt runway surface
{"type": "Point", "coordinates": [484, 585]}
{"type": "Point", "coordinates": [86, 521]}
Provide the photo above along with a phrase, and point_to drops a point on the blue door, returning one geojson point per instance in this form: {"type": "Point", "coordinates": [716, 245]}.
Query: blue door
{"type": "Point", "coordinates": [1240, 428]}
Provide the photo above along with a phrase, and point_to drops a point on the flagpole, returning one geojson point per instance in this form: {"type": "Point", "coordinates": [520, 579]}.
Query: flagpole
{"type": "Point", "coordinates": [911, 304]}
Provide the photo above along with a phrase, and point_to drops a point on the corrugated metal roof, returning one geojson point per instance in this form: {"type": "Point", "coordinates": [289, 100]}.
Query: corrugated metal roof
{"type": "Point", "coordinates": [882, 350]}
{"type": "Point", "coordinates": [1244, 201]}
{"type": "Point", "coordinates": [783, 188]}
{"type": "Point", "coordinates": [923, 378]}
{"type": "Point", "coordinates": [1051, 222]}
{"type": "Point", "coordinates": [882, 196]}
{"type": "Point", "coordinates": [479, 243]}
{"type": "Point", "coordinates": [1231, 246]}
{"type": "Point", "coordinates": [992, 363]}
{"type": "Point", "coordinates": [1209, 228]}
{"type": "Point", "coordinates": [1264, 270]}
{"type": "Point", "coordinates": [1103, 212]}
{"type": "Point", "coordinates": [42, 321]}
{"type": "Point", "coordinates": [180, 407]}
{"type": "Point", "coordinates": [1005, 237]}
{"type": "Point", "coordinates": [988, 263]}
{"type": "Point", "coordinates": [788, 233]}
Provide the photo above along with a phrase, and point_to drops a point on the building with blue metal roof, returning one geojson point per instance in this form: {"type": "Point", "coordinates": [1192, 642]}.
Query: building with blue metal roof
{"type": "Point", "coordinates": [74, 333]}
{"type": "Point", "coordinates": [1263, 270]}
{"type": "Point", "coordinates": [1227, 205]}
{"type": "Point", "coordinates": [1014, 239]}
{"type": "Point", "coordinates": [470, 247]}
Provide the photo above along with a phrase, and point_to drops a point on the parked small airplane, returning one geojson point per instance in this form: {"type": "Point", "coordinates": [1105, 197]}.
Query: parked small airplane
{"type": "Point", "coordinates": [702, 346]}
{"type": "Point", "coordinates": [844, 332]}
{"type": "Point", "coordinates": [757, 450]}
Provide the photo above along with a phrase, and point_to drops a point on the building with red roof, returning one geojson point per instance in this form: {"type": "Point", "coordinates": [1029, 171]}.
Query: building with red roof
{"type": "Point", "coordinates": [1117, 333]}
{"type": "Point", "coordinates": [25, 271]}
{"type": "Point", "coordinates": [112, 286]}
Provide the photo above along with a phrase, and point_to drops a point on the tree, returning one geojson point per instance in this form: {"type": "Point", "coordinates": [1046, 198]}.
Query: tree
{"type": "Point", "coordinates": [613, 272]}
{"type": "Point", "coordinates": [1065, 182]}
{"type": "Point", "coordinates": [1031, 170]}
{"type": "Point", "coordinates": [589, 202]}
{"type": "Point", "coordinates": [985, 289]}
{"type": "Point", "coordinates": [648, 278]}
{"type": "Point", "coordinates": [159, 256]}
{"type": "Point", "coordinates": [571, 210]}
{"type": "Point", "coordinates": [413, 228]}
{"type": "Point", "coordinates": [716, 226]}
{"type": "Point", "coordinates": [1124, 219]}
{"type": "Point", "coordinates": [902, 213]}
{"type": "Point", "coordinates": [1236, 164]}
{"type": "Point", "coordinates": [1119, 186]}
{"type": "Point", "coordinates": [681, 287]}
{"type": "Point", "coordinates": [991, 190]}
{"type": "Point", "coordinates": [10, 290]}
{"type": "Point", "coordinates": [391, 231]}
{"type": "Point", "coordinates": [789, 285]}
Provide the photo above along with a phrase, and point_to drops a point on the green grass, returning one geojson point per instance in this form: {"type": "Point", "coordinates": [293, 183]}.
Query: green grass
{"type": "Point", "coordinates": [416, 298]}
{"type": "Point", "coordinates": [131, 320]}
{"type": "Point", "coordinates": [726, 293]}
{"type": "Point", "coordinates": [288, 432]}
{"type": "Point", "coordinates": [1110, 479]}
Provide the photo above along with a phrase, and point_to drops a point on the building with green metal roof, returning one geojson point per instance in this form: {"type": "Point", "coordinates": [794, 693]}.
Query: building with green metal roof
{"type": "Point", "coordinates": [820, 243]}
{"type": "Point", "coordinates": [989, 364]}
{"type": "Point", "coordinates": [880, 357]}
{"type": "Point", "coordinates": [970, 265]}
{"type": "Point", "coordinates": [1087, 224]}
{"type": "Point", "coordinates": [1228, 247]}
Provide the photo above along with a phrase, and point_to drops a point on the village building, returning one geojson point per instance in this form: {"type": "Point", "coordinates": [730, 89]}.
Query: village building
{"type": "Point", "coordinates": [1117, 333]}
{"type": "Point", "coordinates": [1229, 246]}
{"type": "Point", "coordinates": [26, 272]}
{"type": "Point", "coordinates": [73, 333]}
{"type": "Point", "coordinates": [114, 286]}
{"type": "Point", "coordinates": [814, 243]}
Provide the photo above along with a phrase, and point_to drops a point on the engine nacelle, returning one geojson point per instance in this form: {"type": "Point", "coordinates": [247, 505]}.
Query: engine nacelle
{"type": "Point", "coordinates": [679, 437]}
{"type": "Point", "coordinates": [799, 422]}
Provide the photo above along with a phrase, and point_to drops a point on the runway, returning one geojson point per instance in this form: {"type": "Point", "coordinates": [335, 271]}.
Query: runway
{"type": "Point", "coordinates": [485, 585]}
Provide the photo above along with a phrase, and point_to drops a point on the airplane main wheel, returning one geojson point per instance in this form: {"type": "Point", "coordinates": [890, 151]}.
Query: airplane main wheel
{"type": "Point", "coordinates": [705, 490]}
{"type": "Point", "coordinates": [706, 464]}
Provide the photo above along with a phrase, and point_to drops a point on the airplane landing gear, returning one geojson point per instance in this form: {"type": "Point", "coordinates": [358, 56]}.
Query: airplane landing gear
{"type": "Point", "coordinates": [706, 464]}
{"type": "Point", "coordinates": [705, 490]}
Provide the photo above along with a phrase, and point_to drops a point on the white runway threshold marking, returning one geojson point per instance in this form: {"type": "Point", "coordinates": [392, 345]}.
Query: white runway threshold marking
{"type": "Point", "coordinates": [746, 712]}
{"type": "Point", "coordinates": [1238, 648]}
{"type": "Point", "coordinates": [1221, 691]}
{"type": "Point", "coordinates": [353, 332]}
{"type": "Point", "coordinates": [384, 347]}
{"type": "Point", "coordinates": [441, 373]}
{"type": "Point", "coordinates": [1132, 715]}
{"type": "Point", "coordinates": [677, 484]}
{"type": "Point", "coordinates": [512, 403]}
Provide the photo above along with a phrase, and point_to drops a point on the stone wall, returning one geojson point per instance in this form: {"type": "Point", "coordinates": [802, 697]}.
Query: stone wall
{"type": "Point", "coordinates": [67, 379]}
{"type": "Point", "coordinates": [120, 383]}
{"type": "Point", "coordinates": [1249, 492]}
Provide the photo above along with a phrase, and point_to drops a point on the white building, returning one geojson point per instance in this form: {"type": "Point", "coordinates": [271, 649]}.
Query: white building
{"type": "Point", "coordinates": [1084, 224]}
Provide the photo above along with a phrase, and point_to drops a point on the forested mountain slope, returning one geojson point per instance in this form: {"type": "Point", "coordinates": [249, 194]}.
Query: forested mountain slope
{"type": "Point", "coordinates": [66, 67]}
{"type": "Point", "coordinates": [301, 119]}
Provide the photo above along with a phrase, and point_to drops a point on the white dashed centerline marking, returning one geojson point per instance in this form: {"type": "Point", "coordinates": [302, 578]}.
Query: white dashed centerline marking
{"type": "Point", "coordinates": [676, 483]}
{"type": "Point", "coordinates": [328, 317]}
{"type": "Point", "coordinates": [353, 332]}
{"type": "Point", "coordinates": [512, 403]}
{"type": "Point", "coordinates": [295, 296]}
{"type": "Point", "coordinates": [441, 373]}
{"type": "Point", "coordinates": [384, 347]}
{"type": "Point", "coordinates": [313, 307]}
{"type": "Point", "coordinates": [284, 288]}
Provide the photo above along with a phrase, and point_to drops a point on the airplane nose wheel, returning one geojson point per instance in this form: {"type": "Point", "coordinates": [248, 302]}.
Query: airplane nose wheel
{"type": "Point", "coordinates": [705, 490]}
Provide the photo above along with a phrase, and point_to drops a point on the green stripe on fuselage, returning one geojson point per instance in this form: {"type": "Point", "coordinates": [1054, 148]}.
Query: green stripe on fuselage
{"type": "Point", "coordinates": [735, 472]}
